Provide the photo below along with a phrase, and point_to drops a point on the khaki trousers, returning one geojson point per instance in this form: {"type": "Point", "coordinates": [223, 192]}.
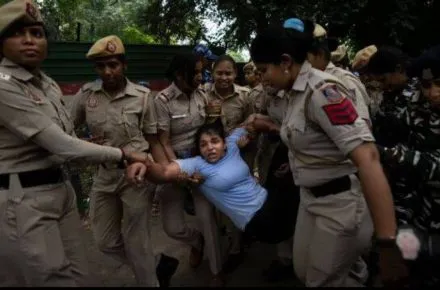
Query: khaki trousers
{"type": "Point", "coordinates": [171, 198]}
{"type": "Point", "coordinates": [332, 232]}
{"type": "Point", "coordinates": [40, 237]}
{"type": "Point", "coordinates": [120, 215]}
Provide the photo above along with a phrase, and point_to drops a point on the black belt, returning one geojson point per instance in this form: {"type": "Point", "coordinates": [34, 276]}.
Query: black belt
{"type": "Point", "coordinates": [334, 186]}
{"type": "Point", "coordinates": [34, 178]}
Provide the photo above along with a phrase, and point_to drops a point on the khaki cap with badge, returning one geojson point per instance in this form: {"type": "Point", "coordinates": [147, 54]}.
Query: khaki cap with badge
{"type": "Point", "coordinates": [250, 66]}
{"type": "Point", "coordinates": [19, 10]}
{"type": "Point", "coordinates": [338, 54]}
{"type": "Point", "coordinates": [363, 56]}
{"type": "Point", "coordinates": [319, 31]}
{"type": "Point", "coordinates": [108, 46]}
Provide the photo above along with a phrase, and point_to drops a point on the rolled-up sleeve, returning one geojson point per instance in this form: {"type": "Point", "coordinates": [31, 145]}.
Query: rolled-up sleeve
{"type": "Point", "coordinates": [150, 118]}
{"type": "Point", "coordinates": [162, 114]}
{"type": "Point", "coordinates": [339, 118]}
{"type": "Point", "coordinates": [19, 113]}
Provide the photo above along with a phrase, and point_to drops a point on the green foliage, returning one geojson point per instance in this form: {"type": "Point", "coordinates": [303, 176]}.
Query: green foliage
{"type": "Point", "coordinates": [360, 22]}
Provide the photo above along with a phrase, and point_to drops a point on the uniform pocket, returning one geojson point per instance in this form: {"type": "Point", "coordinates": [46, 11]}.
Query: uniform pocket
{"type": "Point", "coordinates": [131, 121]}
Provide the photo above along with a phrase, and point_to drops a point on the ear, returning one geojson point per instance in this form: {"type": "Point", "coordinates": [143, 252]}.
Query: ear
{"type": "Point", "coordinates": [286, 61]}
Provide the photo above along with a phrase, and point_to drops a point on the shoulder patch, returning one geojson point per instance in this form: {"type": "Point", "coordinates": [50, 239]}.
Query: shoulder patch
{"type": "Point", "coordinates": [87, 86]}
{"type": "Point", "coordinates": [332, 93]}
{"type": "Point", "coordinates": [4, 76]}
{"type": "Point", "coordinates": [142, 89]}
{"type": "Point", "coordinates": [342, 113]}
{"type": "Point", "coordinates": [163, 97]}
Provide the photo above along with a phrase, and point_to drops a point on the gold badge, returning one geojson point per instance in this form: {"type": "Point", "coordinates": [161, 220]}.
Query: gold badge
{"type": "Point", "coordinates": [427, 74]}
{"type": "Point", "coordinates": [111, 47]}
{"type": "Point", "coordinates": [31, 10]}
{"type": "Point", "coordinates": [92, 102]}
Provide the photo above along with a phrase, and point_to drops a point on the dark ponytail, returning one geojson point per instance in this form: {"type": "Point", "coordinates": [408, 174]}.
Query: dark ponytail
{"type": "Point", "coordinates": [183, 65]}
{"type": "Point", "coordinates": [273, 42]}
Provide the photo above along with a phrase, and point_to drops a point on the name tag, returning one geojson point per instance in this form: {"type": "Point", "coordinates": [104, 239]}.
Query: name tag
{"type": "Point", "coordinates": [179, 116]}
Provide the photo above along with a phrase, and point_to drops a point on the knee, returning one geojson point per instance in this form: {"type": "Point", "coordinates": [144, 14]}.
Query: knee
{"type": "Point", "coordinates": [174, 229]}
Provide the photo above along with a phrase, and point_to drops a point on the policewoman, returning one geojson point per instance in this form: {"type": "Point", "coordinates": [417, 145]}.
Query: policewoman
{"type": "Point", "coordinates": [334, 160]}
{"type": "Point", "coordinates": [119, 113]}
{"type": "Point", "coordinates": [319, 57]}
{"type": "Point", "coordinates": [40, 241]}
{"type": "Point", "coordinates": [180, 110]}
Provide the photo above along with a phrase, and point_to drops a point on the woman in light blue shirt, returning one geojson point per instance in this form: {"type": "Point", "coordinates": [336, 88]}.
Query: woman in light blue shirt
{"type": "Point", "coordinates": [228, 183]}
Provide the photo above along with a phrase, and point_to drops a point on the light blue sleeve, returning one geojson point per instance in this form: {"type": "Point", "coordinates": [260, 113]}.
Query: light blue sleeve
{"type": "Point", "coordinates": [236, 134]}
{"type": "Point", "coordinates": [189, 165]}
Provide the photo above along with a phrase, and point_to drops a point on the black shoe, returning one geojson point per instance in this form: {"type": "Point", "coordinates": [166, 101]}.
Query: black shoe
{"type": "Point", "coordinates": [277, 272]}
{"type": "Point", "coordinates": [233, 261]}
{"type": "Point", "coordinates": [165, 269]}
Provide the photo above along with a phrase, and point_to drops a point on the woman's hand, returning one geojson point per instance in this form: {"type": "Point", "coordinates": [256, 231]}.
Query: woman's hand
{"type": "Point", "coordinates": [136, 172]}
{"type": "Point", "coordinates": [243, 141]}
{"type": "Point", "coordinates": [133, 157]}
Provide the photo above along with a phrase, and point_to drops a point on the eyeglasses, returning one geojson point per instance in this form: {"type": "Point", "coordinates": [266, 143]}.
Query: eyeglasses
{"type": "Point", "coordinates": [426, 84]}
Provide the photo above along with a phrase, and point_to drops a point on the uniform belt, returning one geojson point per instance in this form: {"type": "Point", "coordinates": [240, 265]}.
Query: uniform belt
{"type": "Point", "coordinates": [34, 178]}
{"type": "Point", "coordinates": [334, 186]}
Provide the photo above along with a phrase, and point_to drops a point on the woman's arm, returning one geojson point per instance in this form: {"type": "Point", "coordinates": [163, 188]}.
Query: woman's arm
{"type": "Point", "coordinates": [376, 190]}
{"type": "Point", "coordinates": [164, 139]}
{"type": "Point", "coordinates": [157, 150]}
{"type": "Point", "coordinates": [155, 172]}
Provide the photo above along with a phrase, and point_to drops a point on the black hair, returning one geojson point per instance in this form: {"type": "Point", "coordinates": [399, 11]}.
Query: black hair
{"type": "Point", "coordinates": [387, 59]}
{"type": "Point", "coordinates": [183, 65]}
{"type": "Point", "coordinates": [269, 45]}
{"type": "Point", "coordinates": [215, 128]}
{"type": "Point", "coordinates": [428, 60]}
{"type": "Point", "coordinates": [222, 58]}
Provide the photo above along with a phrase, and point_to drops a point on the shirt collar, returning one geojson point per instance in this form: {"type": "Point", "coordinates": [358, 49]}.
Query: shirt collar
{"type": "Point", "coordinates": [303, 75]}
{"type": "Point", "coordinates": [214, 91]}
{"type": "Point", "coordinates": [18, 71]}
{"type": "Point", "coordinates": [128, 90]}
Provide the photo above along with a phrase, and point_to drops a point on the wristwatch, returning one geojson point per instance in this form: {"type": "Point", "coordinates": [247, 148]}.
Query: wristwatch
{"type": "Point", "coordinates": [124, 159]}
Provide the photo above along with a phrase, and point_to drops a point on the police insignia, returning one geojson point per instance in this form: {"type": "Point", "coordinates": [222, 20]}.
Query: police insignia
{"type": "Point", "coordinates": [111, 47]}
{"type": "Point", "coordinates": [92, 102]}
{"type": "Point", "coordinates": [5, 76]}
{"type": "Point", "coordinates": [342, 113]}
{"type": "Point", "coordinates": [332, 94]}
{"type": "Point", "coordinates": [31, 10]}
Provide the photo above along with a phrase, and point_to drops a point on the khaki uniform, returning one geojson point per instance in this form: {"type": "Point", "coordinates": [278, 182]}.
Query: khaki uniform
{"type": "Point", "coordinates": [260, 98]}
{"type": "Point", "coordinates": [182, 116]}
{"type": "Point", "coordinates": [234, 108]}
{"type": "Point", "coordinates": [40, 243]}
{"type": "Point", "coordinates": [122, 121]}
{"type": "Point", "coordinates": [321, 128]}
{"type": "Point", "coordinates": [360, 96]}
{"type": "Point", "coordinates": [276, 110]}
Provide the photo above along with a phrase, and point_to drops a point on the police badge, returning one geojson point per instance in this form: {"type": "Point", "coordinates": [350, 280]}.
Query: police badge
{"type": "Point", "coordinates": [111, 47]}
{"type": "Point", "coordinates": [31, 10]}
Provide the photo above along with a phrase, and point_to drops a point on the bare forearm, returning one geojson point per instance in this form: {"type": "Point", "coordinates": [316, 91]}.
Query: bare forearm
{"type": "Point", "coordinates": [158, 173]}
{"type": "Point", "coordinates": [379, 199]}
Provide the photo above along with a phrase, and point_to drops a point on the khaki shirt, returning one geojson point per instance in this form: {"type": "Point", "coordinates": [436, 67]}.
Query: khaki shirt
{"type": "Point", "coordinates": [180, 115]}
{"type": "Point", "coordinates": [260, 98]}
{"type": "Point", "coordinates": [321, 128]}
{"type": "Point", "coordinates": [121, 121]}
{"type": "Point", "coordinates": [353, 83]}
{"type": "Point", "coordinates": [29, 103]}
{"type": "Point", "coordinates": [235, 108]}
{"type": "Point", "coordinates": [277, 107]}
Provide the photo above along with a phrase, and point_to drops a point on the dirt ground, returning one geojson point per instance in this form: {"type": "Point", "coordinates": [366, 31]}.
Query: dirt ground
{"type": "Point", "coordinates": [107, 273]}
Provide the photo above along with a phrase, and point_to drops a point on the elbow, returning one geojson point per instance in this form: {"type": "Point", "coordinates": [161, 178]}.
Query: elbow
{"type": "Point", "coordinates": [365, 156]}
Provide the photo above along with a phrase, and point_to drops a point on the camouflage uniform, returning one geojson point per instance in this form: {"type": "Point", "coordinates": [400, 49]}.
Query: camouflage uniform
{"type": "Point", "coordinates": [417, 187]}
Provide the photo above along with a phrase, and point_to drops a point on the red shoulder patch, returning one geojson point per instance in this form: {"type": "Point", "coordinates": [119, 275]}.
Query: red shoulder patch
{"type": "Point", "coordinates": [343, 113]}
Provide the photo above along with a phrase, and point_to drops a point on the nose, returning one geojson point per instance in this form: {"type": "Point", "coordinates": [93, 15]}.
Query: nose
{"type": "Point", "coordinates": [27, 38]}
{"type": "Point", "coordinates": [107, 71]}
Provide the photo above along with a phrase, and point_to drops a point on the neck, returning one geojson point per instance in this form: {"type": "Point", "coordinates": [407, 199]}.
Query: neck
{"type": "Point", "coordinates": [186, 90]}
{"type": "Point", "coordinates": [253, 85]}
{"type": "Point", "coordinates": [114, 90]}
{"type": "Point", "coordinates": [225, 92]}
{"type": "Point", "coordinates": [294, 71]}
